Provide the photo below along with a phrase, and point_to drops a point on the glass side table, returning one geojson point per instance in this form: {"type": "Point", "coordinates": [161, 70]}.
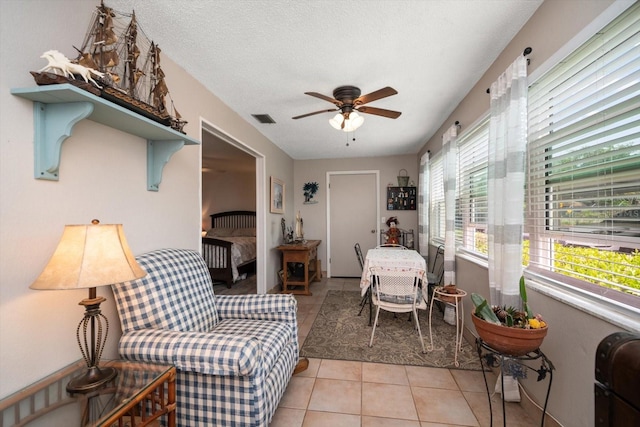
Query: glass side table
{"type": "Point", "coordinates": [454, 300]}
{"type": "Point", "coordinates": [139, 395]}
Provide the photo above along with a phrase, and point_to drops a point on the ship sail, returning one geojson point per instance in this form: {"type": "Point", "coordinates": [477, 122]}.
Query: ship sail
{"type": "Point", "coordinates": [98, 50]}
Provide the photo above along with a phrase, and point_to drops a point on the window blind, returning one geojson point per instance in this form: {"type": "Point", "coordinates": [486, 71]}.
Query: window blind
{"type": "Point", "coordinates": [584, 160]}
{"type": "Point", "coordinates": [471, 207]}
{"type": "Point", "coordinates": [437, 214]}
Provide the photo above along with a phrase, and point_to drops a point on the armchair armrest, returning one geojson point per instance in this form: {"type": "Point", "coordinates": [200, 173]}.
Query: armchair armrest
{"type": "Point", "coordinates": [203, 352]}
{"type": "Point", "coordinates": [279, 307]}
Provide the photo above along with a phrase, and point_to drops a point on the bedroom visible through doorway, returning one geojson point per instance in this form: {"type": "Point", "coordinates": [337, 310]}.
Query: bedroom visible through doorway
{"type": "Point", "coordinates": [231, 175]}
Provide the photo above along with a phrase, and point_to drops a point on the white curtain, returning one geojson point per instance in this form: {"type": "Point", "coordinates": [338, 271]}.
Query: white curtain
{"type": "Point", "coordinates": [449, 172]}
{"type": "Point", "coordinates": [506, 179]}
{"type": "Point", "coordinates": [423, 206]}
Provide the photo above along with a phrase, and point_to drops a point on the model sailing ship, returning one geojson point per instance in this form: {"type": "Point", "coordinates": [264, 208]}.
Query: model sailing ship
{"type": "Point", "coordinates": [123, 65]}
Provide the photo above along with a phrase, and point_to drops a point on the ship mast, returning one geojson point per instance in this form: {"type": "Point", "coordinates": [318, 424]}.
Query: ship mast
{"type": "Point", "coordinates": [160, 88]}
{"type": "Point", "coordinates": [98, 50]}
{"type": "Point", "coordinates": [131, 71]}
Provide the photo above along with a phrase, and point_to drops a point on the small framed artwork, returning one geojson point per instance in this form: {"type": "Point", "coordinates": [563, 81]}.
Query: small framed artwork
{"type": "Point", "coordinates": [277, 195]}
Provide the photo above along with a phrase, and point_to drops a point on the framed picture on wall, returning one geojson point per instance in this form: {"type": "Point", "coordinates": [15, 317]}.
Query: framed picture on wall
{"type": "Point", "coordinates": [277, 195]}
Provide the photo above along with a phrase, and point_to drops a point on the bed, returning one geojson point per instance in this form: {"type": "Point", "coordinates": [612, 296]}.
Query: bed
{"type": "Point", "coordinates": [229, 246]}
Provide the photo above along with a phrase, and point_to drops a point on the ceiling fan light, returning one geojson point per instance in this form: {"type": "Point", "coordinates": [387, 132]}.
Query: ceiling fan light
{"type": "Point", "coordinates": [354, 121]}
{"type": "Point", "coordinates": [336, 121]}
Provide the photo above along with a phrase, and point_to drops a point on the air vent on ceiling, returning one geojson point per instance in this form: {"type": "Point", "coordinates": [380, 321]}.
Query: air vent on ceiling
{"type": "Point", "coordinates": [263, 118]}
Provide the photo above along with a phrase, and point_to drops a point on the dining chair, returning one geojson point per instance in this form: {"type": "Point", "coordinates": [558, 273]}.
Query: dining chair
{"type": "Point", "coordinates": [435, 276]}
{"type": "Point", "coordinates": [391, 245]}
{"type": "Point", "coordinates": [398, 291]}
{"type": "Point", "coordinates": [359, 255]}
{"type": "Point", "coordinates": [367, 296]}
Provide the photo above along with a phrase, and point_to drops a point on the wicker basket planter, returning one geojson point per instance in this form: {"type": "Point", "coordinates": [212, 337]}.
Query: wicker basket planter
{"type": "Point", "coordinates": [507, 340]}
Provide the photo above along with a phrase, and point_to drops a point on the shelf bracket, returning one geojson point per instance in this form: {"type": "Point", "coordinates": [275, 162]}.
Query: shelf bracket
{"type": "Point", "coordinates": [158, 155]}
{"type": "Point", "coordinates": [53, 124]}
{"type": "Point", "coordinates": [57, 108]}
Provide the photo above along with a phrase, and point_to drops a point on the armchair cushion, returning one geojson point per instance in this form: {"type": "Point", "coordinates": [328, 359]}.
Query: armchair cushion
{"type": "Point", "coordinates": [176, 294]}
{"type": "Point", "coordinates": [204, 353]}
{"type": "Point", "coordinates": [280, 307]}
{"type": "Point", "coordinates": [236, 347]}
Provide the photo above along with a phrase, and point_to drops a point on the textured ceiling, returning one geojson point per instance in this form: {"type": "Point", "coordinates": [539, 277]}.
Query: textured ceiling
{"type": "Point", "coordinates": [260, 56]}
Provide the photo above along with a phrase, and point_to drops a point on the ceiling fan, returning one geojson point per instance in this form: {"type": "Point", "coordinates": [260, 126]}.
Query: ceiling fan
{"type": "Point", "coordinates": [347, 99]}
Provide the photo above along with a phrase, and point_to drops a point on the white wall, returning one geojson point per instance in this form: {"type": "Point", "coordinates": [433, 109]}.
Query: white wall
{"type": "Point", "coordinates": [315, 215]}
{"type": "Point", "coordinates": [102, 175]}
{"type": "Point", "coordinates": [227, 191]}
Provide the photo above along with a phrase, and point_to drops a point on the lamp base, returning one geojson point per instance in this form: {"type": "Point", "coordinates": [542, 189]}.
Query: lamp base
{"type": "Point", "coordinates": [92, 379]}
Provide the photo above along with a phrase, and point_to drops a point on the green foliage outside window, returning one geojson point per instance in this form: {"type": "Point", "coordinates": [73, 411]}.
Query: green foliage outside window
{"type": "Point", "coordinates": [582, 263]}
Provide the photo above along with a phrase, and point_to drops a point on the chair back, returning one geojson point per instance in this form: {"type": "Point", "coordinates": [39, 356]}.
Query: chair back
{"type": "Point", "coordinates": [398, 286]}
{"type": "Point", "coordinates": [359, 255]}
{"type": "Point", "coordinates": [176, 294]}
{"type": "Point", "coordinates": [437, 269]}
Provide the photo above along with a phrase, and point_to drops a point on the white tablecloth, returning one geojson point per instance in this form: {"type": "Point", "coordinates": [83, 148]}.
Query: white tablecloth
{"type": "Point", "coordinates": [389, 258]}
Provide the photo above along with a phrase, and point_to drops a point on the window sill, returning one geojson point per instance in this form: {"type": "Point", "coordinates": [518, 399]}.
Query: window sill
{"type": "Point", "coordinates": [601, 306]}
{"type": "Point", "coordinates": [473, 257]}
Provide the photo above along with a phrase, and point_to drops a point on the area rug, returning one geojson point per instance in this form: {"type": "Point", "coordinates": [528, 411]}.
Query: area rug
{"type": "Point", "coordinates": [339, 333]}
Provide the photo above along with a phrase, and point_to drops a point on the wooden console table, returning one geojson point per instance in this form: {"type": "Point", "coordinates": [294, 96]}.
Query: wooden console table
{"type": "Point", "coordinates": [304, 253]}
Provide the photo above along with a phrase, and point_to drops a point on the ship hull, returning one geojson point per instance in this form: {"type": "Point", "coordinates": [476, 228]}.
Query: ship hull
{"type": "Point", "coordinates": [110, 94]}
{"type": "Point", "coordinates": [142, 108]}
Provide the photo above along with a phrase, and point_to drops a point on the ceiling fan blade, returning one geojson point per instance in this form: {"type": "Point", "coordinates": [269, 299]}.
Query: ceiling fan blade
{"type": "Point", "coordinates": [326, 98]}
{"type": "Point", "coordinates": [378, 94]}
{"type": "Point", "coordinates": [380, 112]}
{"type": "Point", "coordinates": [314, 113]}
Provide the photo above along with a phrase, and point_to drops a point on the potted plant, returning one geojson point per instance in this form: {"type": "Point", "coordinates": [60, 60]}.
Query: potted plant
{"type": "Point", "coordinates": [310, 189]}
{"type": "Point", "coordinates": [506, 329]}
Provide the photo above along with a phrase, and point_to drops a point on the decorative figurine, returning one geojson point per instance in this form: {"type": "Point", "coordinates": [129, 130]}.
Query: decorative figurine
{"type": "Point", "coordinates": [393, 233]}
{"type": "Point", "coordinates": [299, 231]}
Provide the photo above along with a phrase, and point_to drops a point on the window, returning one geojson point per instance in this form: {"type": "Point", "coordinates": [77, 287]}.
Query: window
{"type": "Point", "coordinates": [471, 206]}
{"type": "Point", "coordinates": [583, 196]}
{"type": "Point", "coordinates": [436, 198]}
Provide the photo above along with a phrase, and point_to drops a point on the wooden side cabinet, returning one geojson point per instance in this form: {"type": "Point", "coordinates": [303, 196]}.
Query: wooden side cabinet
{"type": "Point", "coordinates": [305, 253]}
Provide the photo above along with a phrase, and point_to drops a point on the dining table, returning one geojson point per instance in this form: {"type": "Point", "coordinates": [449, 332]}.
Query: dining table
{"type": "Point", "coordinates": [390, 258]}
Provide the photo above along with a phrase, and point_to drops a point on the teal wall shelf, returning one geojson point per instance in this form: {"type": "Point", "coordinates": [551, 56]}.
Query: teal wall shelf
{"type": "Point", "coordinates": [57, 109]}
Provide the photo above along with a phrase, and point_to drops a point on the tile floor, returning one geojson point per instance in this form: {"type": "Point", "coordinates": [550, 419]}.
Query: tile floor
{"type": "Point", "coordinates": [345, 393]}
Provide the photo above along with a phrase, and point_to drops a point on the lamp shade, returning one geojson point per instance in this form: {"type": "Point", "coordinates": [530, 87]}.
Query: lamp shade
{"type": "Point", "coordinates": [336, 121]}
{"type": "Point", "coordinates": [88, 256]}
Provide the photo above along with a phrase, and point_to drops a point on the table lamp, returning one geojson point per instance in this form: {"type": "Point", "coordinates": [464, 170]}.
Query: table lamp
{"type": "Point", "coordinates": [88, 256]}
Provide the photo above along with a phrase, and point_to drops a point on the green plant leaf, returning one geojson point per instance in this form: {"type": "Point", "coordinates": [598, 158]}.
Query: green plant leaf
{"type": "Point", "coordinates": [523, 296]}
{"type": "Point", "coordinates": [523, 290]}
{"type": "Point", "coordinates": [509, 320]}
{"type": "Point", "coordinates": [483, 310]}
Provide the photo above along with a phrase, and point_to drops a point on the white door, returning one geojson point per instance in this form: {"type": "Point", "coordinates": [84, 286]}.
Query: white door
{"type": "Point", "coordinates": [353, 211]}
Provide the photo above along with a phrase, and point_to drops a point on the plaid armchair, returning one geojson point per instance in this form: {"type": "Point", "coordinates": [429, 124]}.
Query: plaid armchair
{"type": "Point", "coordinates": [234, 354]}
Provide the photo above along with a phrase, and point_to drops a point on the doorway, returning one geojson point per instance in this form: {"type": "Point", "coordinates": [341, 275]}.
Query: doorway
{"type": "Point", "coordinates": [210, 131]}
{"type": "Point", "coordinates": [353, 209]}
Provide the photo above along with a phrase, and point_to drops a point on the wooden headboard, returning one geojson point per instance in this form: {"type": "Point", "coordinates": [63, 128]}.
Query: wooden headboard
{"type": "Point", "coordinates": [233, 219]}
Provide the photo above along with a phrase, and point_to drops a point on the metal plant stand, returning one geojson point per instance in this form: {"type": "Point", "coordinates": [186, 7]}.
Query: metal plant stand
{"type": "Point", "coordinates": [494, 359]}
